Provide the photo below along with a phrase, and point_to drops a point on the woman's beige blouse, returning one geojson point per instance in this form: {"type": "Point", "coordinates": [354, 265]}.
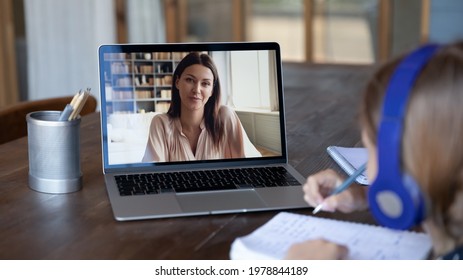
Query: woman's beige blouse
{"type": "Point", "coordinates": [166, 141]}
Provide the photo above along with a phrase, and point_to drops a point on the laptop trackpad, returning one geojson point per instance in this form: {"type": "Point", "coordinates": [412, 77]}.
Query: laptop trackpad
{"type": "Point", "coordinates": [220, 202]}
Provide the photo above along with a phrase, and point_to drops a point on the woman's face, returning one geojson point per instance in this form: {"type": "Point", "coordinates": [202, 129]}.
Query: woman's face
{"type": "Point", "coordinates": [195, 87]}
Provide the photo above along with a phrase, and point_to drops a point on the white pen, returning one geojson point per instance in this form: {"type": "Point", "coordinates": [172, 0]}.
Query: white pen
{"type": "Point", "coordinates": [66, 113]}
{"type": "Point", "coordinates": [343, 186]}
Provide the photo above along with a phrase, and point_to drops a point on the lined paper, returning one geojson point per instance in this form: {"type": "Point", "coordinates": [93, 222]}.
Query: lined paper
{"type": "Point", "coordinates": [365, 242]}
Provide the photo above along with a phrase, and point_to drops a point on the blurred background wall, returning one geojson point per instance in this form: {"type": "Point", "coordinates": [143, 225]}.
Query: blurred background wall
{"type": "Point", "coordinates": [49, 47]}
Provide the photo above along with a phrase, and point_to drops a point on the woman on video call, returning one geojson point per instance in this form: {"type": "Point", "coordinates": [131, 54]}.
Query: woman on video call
{"type": "Point", "coordinates": [196, 126]}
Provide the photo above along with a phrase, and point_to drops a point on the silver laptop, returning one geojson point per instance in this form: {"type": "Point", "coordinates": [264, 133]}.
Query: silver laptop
{"type": "Point", "coordinates": [138, 87]}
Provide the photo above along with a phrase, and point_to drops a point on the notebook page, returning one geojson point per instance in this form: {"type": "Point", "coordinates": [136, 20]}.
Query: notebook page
{"type": "Point", "coordinates": [272, 240]}
{"type": "Point", "coordinates": [350, 159]}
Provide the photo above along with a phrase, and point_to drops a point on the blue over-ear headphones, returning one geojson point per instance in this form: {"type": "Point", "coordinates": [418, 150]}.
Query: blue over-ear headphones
{"type": "Point", "coordinates": [395, 198]}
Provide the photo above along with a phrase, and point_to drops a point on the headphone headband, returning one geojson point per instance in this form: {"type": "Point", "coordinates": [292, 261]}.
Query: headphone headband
{"type": "Point", "coordinates": [403, 80]}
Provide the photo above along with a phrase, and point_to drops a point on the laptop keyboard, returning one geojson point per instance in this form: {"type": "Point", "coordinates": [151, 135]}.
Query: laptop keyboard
{"type": "Point", "coordinates": [207, 180]}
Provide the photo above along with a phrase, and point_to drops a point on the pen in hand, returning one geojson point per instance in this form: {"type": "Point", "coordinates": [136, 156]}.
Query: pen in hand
{"type": "Point", "coordinates": [343, 186]}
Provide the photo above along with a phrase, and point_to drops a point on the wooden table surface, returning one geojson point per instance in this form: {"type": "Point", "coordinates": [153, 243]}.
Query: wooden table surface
{"type": "Point", "coordinates": [321, 108]}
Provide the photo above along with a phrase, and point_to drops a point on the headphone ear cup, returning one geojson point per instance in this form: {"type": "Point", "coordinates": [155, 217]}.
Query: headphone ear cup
{"type": "Point", "coordinates": [397, 204]}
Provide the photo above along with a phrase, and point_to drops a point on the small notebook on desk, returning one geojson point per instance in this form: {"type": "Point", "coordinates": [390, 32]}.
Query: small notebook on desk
{"type": "Point", "coordinates": [365, 242]}
{"type": "Point", "coordinates": [349, 159]}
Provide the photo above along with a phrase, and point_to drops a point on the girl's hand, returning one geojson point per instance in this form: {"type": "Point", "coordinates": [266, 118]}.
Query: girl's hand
{"type": "Point", "coordinates": [319, 249]}
{"type": "Point", "coordinates": [318, 187]}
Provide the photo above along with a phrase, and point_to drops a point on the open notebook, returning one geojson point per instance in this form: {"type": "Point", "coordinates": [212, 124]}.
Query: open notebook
{"type": "Point", "coordinates": [365, 242]}
{"type": "Point", "coordinates": [151, 178]}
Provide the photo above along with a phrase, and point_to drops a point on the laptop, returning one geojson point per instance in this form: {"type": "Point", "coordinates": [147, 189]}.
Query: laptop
{"type": "Point", "coordinates": [136, 88]}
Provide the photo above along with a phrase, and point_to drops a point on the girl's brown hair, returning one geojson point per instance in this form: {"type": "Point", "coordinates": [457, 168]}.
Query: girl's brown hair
{"type": "Point", "coordinates": [432, 141]}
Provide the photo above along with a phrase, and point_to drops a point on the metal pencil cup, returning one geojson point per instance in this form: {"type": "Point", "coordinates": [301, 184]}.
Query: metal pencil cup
{"type": "Point", "coordinates": [54, 153]}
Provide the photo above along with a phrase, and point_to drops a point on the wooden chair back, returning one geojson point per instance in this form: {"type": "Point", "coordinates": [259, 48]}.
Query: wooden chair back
{"type": "Point", "coordinates": [13, 124]}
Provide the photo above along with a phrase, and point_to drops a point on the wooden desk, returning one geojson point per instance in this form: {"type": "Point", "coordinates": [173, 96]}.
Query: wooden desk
{"type": "Point", "coordinates": [321, 107]}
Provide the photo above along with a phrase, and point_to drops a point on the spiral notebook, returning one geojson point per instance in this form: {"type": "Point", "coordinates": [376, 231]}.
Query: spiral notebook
{"type": "Point", "coordinates": [365, 242]}
{"type": "Point", "coordinates": [349, 159]}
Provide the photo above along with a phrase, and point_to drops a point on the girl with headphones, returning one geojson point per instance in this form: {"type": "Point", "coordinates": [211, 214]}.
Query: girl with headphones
{"type": "Point", "coordinates": [412, 126]}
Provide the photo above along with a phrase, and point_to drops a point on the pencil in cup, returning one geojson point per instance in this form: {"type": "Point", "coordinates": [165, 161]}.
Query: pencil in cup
{"type": "Point", "coordinates": [73, 109]}
{"type": "Point", "coordinates": [79, 104]}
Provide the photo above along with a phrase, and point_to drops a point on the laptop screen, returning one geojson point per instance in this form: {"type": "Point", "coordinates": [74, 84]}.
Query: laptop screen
{"type": "Point", "coordinates": [165, 104]}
